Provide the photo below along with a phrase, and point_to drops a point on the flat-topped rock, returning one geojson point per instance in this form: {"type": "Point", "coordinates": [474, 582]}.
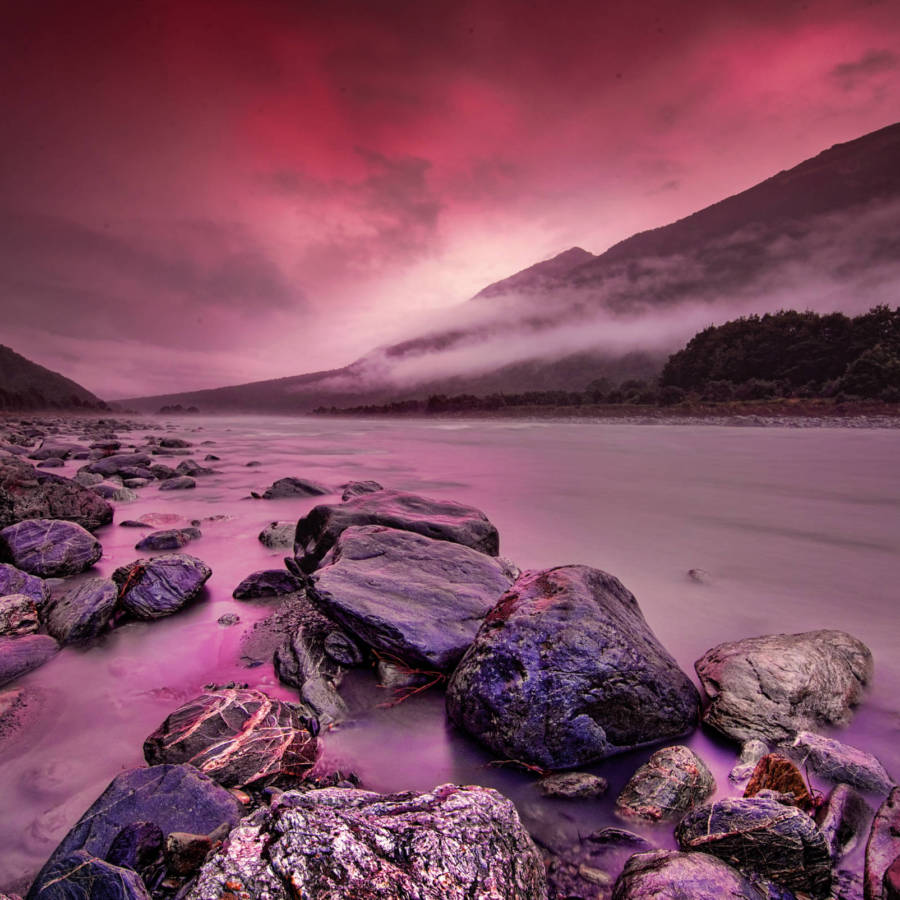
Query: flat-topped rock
{"type": "Point", "coordinates": [565, 671]}
{"type": "Point", "coordinates": [356, 488]}
{"type": "Point", "coordinates": [157, 587]}
{"type": "Point", "coordinates": [442, 520]}
{"type": "Point", "coordinates": [278, 534]}
{"type": "Point", "coordinates": [83, 612]}
{"type": "Point", "coordinates": [20, 655]}
{"type": "Point", "coordinates": [116, 463]}
{"type": "Point", "coordinates": [267, 583]}
{"type": "Point", "coordinates": [179, 483]}
{"type": "Point", "coordinates": [49, 548]}
{"type": "Point", "coordinates": [168, 539]}
{"type": "Point", "coordinates": [294, 487]}
{"type": "Point", "coordinates": [237, 737]}
{"type": "Point", "coordinates": [773, 687]}
{"type": "Point", "coordinates": [404, 594]}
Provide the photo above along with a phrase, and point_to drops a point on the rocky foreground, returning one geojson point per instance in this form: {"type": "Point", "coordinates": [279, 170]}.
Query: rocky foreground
{"type": "Point", "coordinates": [552, 670]}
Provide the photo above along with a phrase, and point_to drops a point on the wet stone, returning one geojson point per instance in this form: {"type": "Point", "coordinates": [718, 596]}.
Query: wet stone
{"type": "Point", "coordinates": [294, 487]}
{"type": "Point", "coordinates": [18, 616]}
{"type": "Point", "coordinates": [278, 534]}
{"type": "Point", "coordinates": [15, 581]}
{"type": "Point", "coordinates": [179, 483]}
{"type": "Point", "coordinates": [168, 539]}
{"type": "Point", "coordinates": [776, 773]}
{"type": "Point", "coordinates": [50, 548]}
{"type": "Point", "coordinates": [153, 588]}
{"type": "Point", "coordinates": [267, 583]}
{"type": "Point", "coordinates": [84, 877]}
{"type": "Point", "coordinates": [355, 488]}
{"type": "Point", "coordinates": [139, 846]}
{"type": "Point", "coordinates": [839, 762]}
{"type": "Point", "coordinates": [842, 820]}
{"type": "Point", "coordinates": [573, 785]}
{"type": "Point", "coordinates": [83, 612]}
{"type": "Point", "coordinates": [20, 655]}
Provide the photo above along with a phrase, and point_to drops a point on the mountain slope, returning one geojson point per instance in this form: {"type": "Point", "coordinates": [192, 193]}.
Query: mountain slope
{"type": "Point", "coordinates": [26, 385]}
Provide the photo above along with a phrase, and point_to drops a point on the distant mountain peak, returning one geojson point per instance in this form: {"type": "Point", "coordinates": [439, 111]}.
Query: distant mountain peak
{"type": "Point", "coordinates": [26, 385]}
{"type": "Point", "coordinates": [539, 275]}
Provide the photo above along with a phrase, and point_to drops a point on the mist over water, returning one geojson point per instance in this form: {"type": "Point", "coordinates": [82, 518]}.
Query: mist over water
{"type": "Point", "coordinates": [791, 530]}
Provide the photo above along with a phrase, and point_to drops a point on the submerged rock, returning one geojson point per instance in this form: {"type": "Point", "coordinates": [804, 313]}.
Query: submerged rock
{"type": "Point", "coordinates": [19, 655]}
{"type": "Point", "coordinates": [355, 488]}
{"type": "Point", "coordinates": [268, 583]}
{"type": "Point", "coordinates": [442, 520]}
{"type": "Point", "coordinates": [883, 846]}
{"type": "Point", "coordinates": [672, 781]}
{"type": "Point", "coordinates": [153, 588]}
{"type": "Point", "coordinates": [761, 835]}
{"type": "Point", "coordinates": [179, 483]}
{"type": "Point", "coordinates": [169, 539]}
{"type": "Point", "coordinates": [50, 548]}
{"type": "Point", "coordinates": [452, 843]}
{"type": "Point", "coordinates": [278, 534]}
{"type": "Point", "coordinates": [81, 876]}
{"type": "Point", "coordinates": [842, 763]}
{"type": "Point", "coordinates": [407, 595]}
{"type": "Point", "coordinates": [82, 612]}
{"type": "Point", "coordinates": [238, 737]}
{"type": "Point", "coordinates": [565, 671]}
{"type": "Point", "coordinates": [117, 464]}
{"type": "Point", "coordinates": [841, 819]}
{"type": "Point", "coordinates": [776, 773]}
{"type": "Point", "coordinates": [294, 487]}
{"type": "Point", "coordinates": [18, 616]}
{"type": "Point", "coordinates": [193, 468]}
{"type": "Point", "coordinates": [573, 785]}
{"type": "Point", "coordinates": [774, 686]}
{"type": "Point", "coordinates": [15, 581]}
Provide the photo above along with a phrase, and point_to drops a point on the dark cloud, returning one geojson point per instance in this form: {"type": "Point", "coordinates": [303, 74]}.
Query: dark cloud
{"type": "Point", "coordinates": [850, 75]}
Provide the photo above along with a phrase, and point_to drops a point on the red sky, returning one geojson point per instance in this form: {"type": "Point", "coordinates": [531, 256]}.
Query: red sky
{"type": "Point", "coordinates": [201, 193]}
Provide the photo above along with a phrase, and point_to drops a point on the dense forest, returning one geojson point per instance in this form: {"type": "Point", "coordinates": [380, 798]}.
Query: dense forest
{"type": "Point", "coordinates": [786, 354]}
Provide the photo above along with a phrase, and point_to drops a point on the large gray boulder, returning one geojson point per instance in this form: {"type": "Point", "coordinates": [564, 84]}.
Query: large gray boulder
{"type": "Point", "coordinates": [452, 843]}
{"type": "Point", "coordinates": [20, 655]}
{"type": "Point", "coordinates": [83, 612]}
{"type": "Point", "coordinates": [761, 835]}
{"type": "Point", "coordinates": [153, 588]}
{"type": "Point", "coordinates": [15, 581]}
{"type": "Point", "coordinates": [883, 846]}
{"type": "Point", "coordinates": [442, 520]}
{"type": "Point", "coordinates": [774, 686]}
{"type": "Point", "coordinates": [49, 548]}
{"type": "Point", "coordinates": [408, 595]}
{"type": "Point", "coordinates": [565, 671]}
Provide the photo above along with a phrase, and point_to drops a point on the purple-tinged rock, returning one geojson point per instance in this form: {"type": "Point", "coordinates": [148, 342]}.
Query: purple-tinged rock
{"type": "Point", "coordinates": [50, 548]}
{"type": "Point", "coordinates": [15, 581]}
{"type": "Point", "coordinates": [19, 655]}
{"type": "Point", "coordinates": [174, 443]}
{"type": "Point", "coordinates": [139, 846]}
{"type": "Point", "coordinates": [157, 587]}
{"type": "Point", "coordinates": [18, 615]}
{"type": "Point", "coordinates": [565, 671]}
{"type": "Point", "coordinates": [193, 468]}
{"type": "Point", "coordinates": [55, 451]}
{"type": "Point", "coordinates": [112, 491]}
{"type": "Point", "coordinates": [267, 583]}
{"type": "Point", "coordinates": [452, 843]}
{"type": "Point", "coordinates": [85, 877]}
{"type": "Point", "coordinates": [781, 843]}
{"type": "Point", "coordinates": [883, 846]}
{"type": "Point", "coordinates": [890, 884]}
{"type": "Point", "coordinates": [841, 819]}
{"type": "Point", "coordinates": [442, 520]}
{"type": "Point", "coordinates": [162, 472]}
{"type": "Point", "coordinates": [228, 619]}
{"type": "Point", "coordinates": [842, 763]}
{"type": "Point", "coordinates": [238, 737]}
{"type": "Point", "coordinates": [115, 464]}
{"type": "Point", "coordinates": [408, 595]}
{"type": "Point", "coordinates": [356, 488]}
{"type": "Point", "coordinates": [170, 539]}
{"type": "Point", "coordinates": [573, 786]}
{"type": "Point", "coordinates": [179, 483]}
{"type": "Point", "coordinates": [278, 534]}
{"type": "Point", "coordinates": [294, 487]}
{"type": "Point", "coordinates": [51, 463]}
{"type": "Point", "coordinates": [83, 612]}
{"type": "Point", "coordinates": [671, 782]}
{"type": "Point", "coordinates": [88, 479]}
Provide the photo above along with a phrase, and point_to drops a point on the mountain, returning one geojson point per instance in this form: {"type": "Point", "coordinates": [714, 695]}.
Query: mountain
{"type": "Point", "coordinates": [24, 385]}
{"type": "Point", "coordinates": [823, 235]}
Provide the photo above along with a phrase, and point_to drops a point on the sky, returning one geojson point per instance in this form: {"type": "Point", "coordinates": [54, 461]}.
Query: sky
{"type": "Point", "coordinates": [198, 193]}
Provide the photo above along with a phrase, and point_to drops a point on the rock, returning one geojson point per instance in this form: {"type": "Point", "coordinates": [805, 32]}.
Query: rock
{"type": "Point", "coordinates": [253, 463]}
{"type": "Point", "coordinates": [847, 885]}
{"type": "Point", "coordinates": [139, 846]}
{"type": "Point", "coordinates": [565, 671]}
{"type": "Point", "coordinates": [671, 782]}
{"type": "Point", "coordinates": [153, 588]}
{"type": "Point", "coordinates": [83, 612]}
{"type": "Point", "coordinates": [883, 846]}
{"type": "Point", "coordinates": [774, 686]}
{"type": "Point", "coordinates": [452, 843]}
{"type": "Point", "coordinates": [175, 798]}
{"type": "Point", "coordinates": [88, 479]}
{"type": "Point", "coordinates": [50, 548]}
{"type": "Point", "coordinates": [19, 655]}
{"type": "Point", "coordinates": [55, 451]}
{"type": "Point", "coordinates": [174, 443]}
{"type": "Point", "coordinates": [51, 463]}
{"type": "Point", "coordinates": [670, 875]}
{"type": "Point", "coordinates": [442, 520]}
{"type": "Point", "coordinates": [294, 487]}
{"type": "Point", "coordinates": [891, 881]}
{"type": "Point", "coordinates": [211, 457]}
{"type": "Point", "coordinates": [573, 785]}
{"type": "Point", "coordinates": [841, 819]}
{"type": "Point", "coordinates": [268, 583]}
{"type": "Point", "coordinates": [18, 616]}
{"type": "Point", "coordinates": [356, 488]}
{"type": "Point", "coordinates": [842, 763]}
{"type": "Point", "coordinates": [15, 581]}
{"type": "Point", "coordinates": [185, 852]}
{"type": "Point", "coordinates": [408, 595]}
{"type": "Point", "coordinates": [228, 619]}
{"type": "Point", "coordinates": [278, 534]}
{"type": "Point", "coordinates": [162, 472]}
{"type": "Point", "coordinates": [761, 835]}
{"type": "Point", "coordinates": [84, 877]}
{"type": "Point", "coordinates": [776, 773]}
{"type": "Point", "coordinates": [752, 752]}
{"type": "Point", "coordinates": [169, 539]}
{"type": "Point", "coordinates": [342, 649]}
{"type": "Point", "coordinates": [238, 737]}
{"type": "Point", "coordinates": [111, 491]}
{"type": "Point", "coordinates": [136, 482]}
{"type": "Point", "coordinates": [132, 523]}
{"type": "Point", "coordinates": [193, 468]}
{"type": "Point", "coordinates": [29, 493]}
{"type": "Point", "coordinates": [179, 483]}
{"type": "Point", "coordinates": [117, 463]}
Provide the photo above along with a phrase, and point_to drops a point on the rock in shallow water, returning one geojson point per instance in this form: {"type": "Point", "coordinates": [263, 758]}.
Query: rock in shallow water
{"type": "Point", "coordinates": [294, 487]}
{"type": "Point", "coordinates": [573, 785]}
{"type": "Point", "coordinates": [452, 843]}
{"type": "Point", "coordinates": [841, 819]}
{"type": "Point", "coordinates": [50, 548]}
{"type": "Point", "coordinates": [842, 763]}
{"type": "Point", "coordinates": [771, 687]}
{"type": "Point", "coordinates": [180, 483]}
{"type": "Point", "coordinates": [18, 616]}
{"type": "Point", "coordinates": [19, 655]}
{"type": "Point", "coordinates": [82, 612]}
{"type": "Point", "coordinates": [355, 488]}
{"type": "Point", "coordinates": [84, 877]}
{"type": "Point", "coordinates": [15, 581]}
{"type": "Point", "coordinates": [268, 583]}
{"type": "Point", "coordinates": [169, 539]}
{"type": "Point", "coordinates": [776, 773]}
{"type": "Point", "coordinates": [153, 588]}
{"type": "Point", "coordinates": [565, 671]}
{"type": "Point", "coordinates": [408, 595]}
{"type": "Point", "coordinates": [278, 534]}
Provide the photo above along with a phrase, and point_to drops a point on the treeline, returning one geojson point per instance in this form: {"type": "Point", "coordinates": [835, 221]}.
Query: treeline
{"type": "Point", "coordinates": [781, 355]}
{"type": "Point", "coordinates": [33, 399]}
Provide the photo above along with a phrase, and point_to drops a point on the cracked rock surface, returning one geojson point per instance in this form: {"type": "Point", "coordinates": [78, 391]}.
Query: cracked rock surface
{"type": "Point", "coordinates": [49, 548]}
{"type": "Point", "coordinates": [153, 588]}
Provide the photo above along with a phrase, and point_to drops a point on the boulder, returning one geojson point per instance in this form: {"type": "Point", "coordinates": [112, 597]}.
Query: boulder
{"type": "Point", "coordinates": [670, 875]}
{"type": "Point", "coordinates": [841, 819]}
{"type": "Point", "coordinates": [842, 763]}
{"type": "Point", "coordinates": [294, 487]}
{"type": "Point", "coordinates": [18, 616]}
{"type": "Point", "coordinates": [139, 846]}
{"type": "Point", "coordinates": [52, 463]}
{"type": "Point", "coordinates": [278, 534]}
{"type": "Point", "coordinates": [162, 472]}
{"type": "Point", "coordinates": [565, 671]}
{"type": "Point", "coordinates": [174, 798]}
{"type": "Point", "coordinates": [193, 468]}
{"type": "Point", "coordinates": [774, 686]}
{"type": "Point", "coordinates": [117, 463]}
{"type": "Point", "coordinates": [238, 737]}
{"type": "Point", "coordinates": [452, 843]}
{"type": "Point", "coordinates": [442, 520]}
{"type": "Point", "coordinates": [169, 539]}
{"type": "Point", "coordinates": [88, 479]}
{"type": "Point", "coordinates": [776, 773]}
{"type": "Point", "coordinates": [890, 884]}
{"type": "Point", "coordinates": [883, 846]}
{"type": "Point", "coordinates": [81, 876]}
{"type": "Point", "coordinates": [171, 443]}
{"type": "Point", "coordinates": [355, 488]}
{"type": "Point", "coordinates": [82, 612]}
{"type": "Point", "coordinates": [50, 548]}
{"type": "Point", "coordinates": [29, 493]}
{"type": "Point", "coordinates": [672, 781]}
{"type": "Point", "coordinates": [19, 655]}
{"type": "Point", "coordinates": [573, 786]}
{"type": "Point", "coordinates": [408, 595]}
{"type": "Point", "coordinates": [157, 587]}
{"type": "Point", "coordinates": [179, 483]}
{"type": "Point", "coordinates": [55, 451]}
{"type": "Point", "coordinates": [111, 491]}
{"type": "Point", "coordinates": [15, 581]}
{"type": "Point", "coordinates": [267, 583]}
{"type": "Point", "coordinates": [760, 835]}
{"type": "Point", "coordinates": [752, 752]}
